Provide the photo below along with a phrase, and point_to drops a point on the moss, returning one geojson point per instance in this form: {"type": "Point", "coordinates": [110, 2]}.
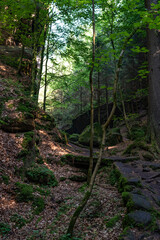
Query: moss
{"type": "Point", "coordinates": [138, 132]}
{"type": "Point", "coordinates": [38, 205]}
{"type": "Point", "coordinates": [78, 178]}
{"type": "Point", "coordinates": [128, 222]}
{"type": "Point", "coordinates": [114, 176]}
{"type": "Point", "coordinates": [126, 196]}
{"type": "Point", "coordinates": [84, 137]}
{"type": "Point", "coordinates": [136, 145]}
{"type": "Point", "coordinates": [113, 137]}
{"type": "Point", "coordinates": [111, 222]}
{"type": "Point", "coordinates": [28, 140]}
{"type": "Point", "coordinates": [24, 192]}
{"type": "Point", "coordinates": [18, 220]}
{"type": "Point", "coordinates": [40, 160]}
{"type": "Point", "coordinates": [74, 137]}
{"type": "Point", "coordinates": [122, 183]}
{"type": "Point", "coordinates": [4, 228]}
{"type": "Point", "coordinates": [42, 191]}
{"type": "Point", "coordinates": [148, 157]}
{"type": "Point", "coordinates": [41, 175]}
{"type": "Point", "coordinates": [5, 179]}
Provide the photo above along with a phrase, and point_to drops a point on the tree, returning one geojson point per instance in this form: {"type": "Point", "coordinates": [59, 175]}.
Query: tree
{"type": "Point", "coordinates": [153, 37]}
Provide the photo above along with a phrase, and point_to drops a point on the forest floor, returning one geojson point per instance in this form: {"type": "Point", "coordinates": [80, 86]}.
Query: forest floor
{"type": "Point", "coordinates": [18, 220]}
{"type": "Point", "coordinates": [52, 223]}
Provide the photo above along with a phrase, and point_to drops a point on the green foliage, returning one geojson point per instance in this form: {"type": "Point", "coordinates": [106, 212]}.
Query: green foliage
{"type": "Point", "coordinates": [5, 179]}
{"type": "Point", "coordinates": [138, 132]}
{"type": "Point", "coordinates": [83, 188]}
{"type": "Point", "coordinates": [136, 145]}
{"type": "Point", "coordinates": [4, 228]}
{"type": "Point", "coordinates": [74, 137]}
{"type": "Point", "coordinates": [126, 196]}
{"type": "Point", "coordinates": [40, 160]}
{"type": "Point", "coordinates": [11, 61]}
{"type": "Point", "coordinates": [84, 137]}
{"type": "Point", "coordinates": [27, 108]}
{"type": "Point", "coordinates": [24, 192]}
{"type": "Point", "coordinates": [28, 140]}
{"type": "Point", "coordinates": [41, 175]}
{"type": "Point", "coordinates": [111, 222]}
{"type": "Point", "coordinates": [38, 235]}
{"type": "Point", "coordinates": [68, 237]}
{"type": "Point", "coordinates": [114, 176]}
{"type": "Point", "coordinates": [18, 220]}
{"type": "Point", "coordinates": [38, 204]}
{"type": "Point", "coordinates": [42, 191]}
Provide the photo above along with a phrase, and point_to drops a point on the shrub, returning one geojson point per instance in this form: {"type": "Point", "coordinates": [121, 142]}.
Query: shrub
{"type": "Point", "coordinates": [24, 192]}
{"type": "Point", "coordinates": [4, 228]}
{"type": "Point", "coordinates": [110, 223]}
{"type": "Point", "coordinates": [41, 175]}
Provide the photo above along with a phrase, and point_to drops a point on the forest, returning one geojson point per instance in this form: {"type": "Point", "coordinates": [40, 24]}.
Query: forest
{"type": "Point", "coordinates": [79, 119]}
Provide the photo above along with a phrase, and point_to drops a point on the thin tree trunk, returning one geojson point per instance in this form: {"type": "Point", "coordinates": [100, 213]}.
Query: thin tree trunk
{"type": "Point", "coordinates": [20, 62]}
{"type": "Point", "coordinates": [106, 92]}
{"type": "Point", "coordinates": [124, 111]}
{"type": "Point", "coordinates": [99, 100]}
{"type": "Point", "coordinates": [90, 169]}
{"type": "Point", "coordinates": [46, 71]}
{"type": "Point", "coordinates": [104, 127]}
{"type": "Point", "coordinates": [41, 64]}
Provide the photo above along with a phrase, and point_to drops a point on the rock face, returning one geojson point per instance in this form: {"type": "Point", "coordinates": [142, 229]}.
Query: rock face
{"type": "Point", "coordinates": [17, 116]}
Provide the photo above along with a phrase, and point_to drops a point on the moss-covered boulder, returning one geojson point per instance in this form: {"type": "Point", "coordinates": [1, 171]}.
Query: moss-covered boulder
{"type": "Point", "coordinates": [84, 137]}
{"type": "Point", "coordinates": [74, 137]}
{"type": "Point", "coordinates": [44, 120]}
{"type": "Point", "coordinates": [113, 136]}
{"type": "Point", "coordinates": [41, 175]}
{"type": "Point", "coordinates": [17, 115]}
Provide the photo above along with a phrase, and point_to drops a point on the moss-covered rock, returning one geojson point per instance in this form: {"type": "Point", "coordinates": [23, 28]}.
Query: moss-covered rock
{"type": "Point", "coordinates": [137, 132]}
{"type": "Point", "coordinates": [113, 136]}
{"type": "Point", "coordinates": [74, 137]}
{"type": "Point", "coordinates": [84, 137]}
{"type": "Point", "coordinates": [76, 178]}
{"type": "Point", "coordinates": [41, 175]}
{"type": "Point", "coordinates": [17, 117]}
{"type": "Point", "coordinates": [136, 145]}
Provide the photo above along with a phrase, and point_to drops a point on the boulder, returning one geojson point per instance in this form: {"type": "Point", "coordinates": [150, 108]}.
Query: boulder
{"type": "Point", "coordinates": [113, 136]}
{"type": "Point", "coordinates": [84, 137]}
{"type": "Point", "coordinates": [139, 217]}
{"type": "Point", "coordinates": [140, 202]}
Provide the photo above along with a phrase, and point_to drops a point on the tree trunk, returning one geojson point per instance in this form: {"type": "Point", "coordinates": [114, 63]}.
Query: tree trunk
{"type": "Point", "coordinates": [42, 58]}
{"type": "Point", "coordinates": [153, 37]}
{"type": "Point", "coordinates": [104, 127]}
{"type": "Point", "coordinates": [99, 98]}
{"type": "Point", "coordinates": [20, 62]}
{"type": "Point", "coordinates": [91, 98]}
{"type": "Point", "coordinates": [46, 71]}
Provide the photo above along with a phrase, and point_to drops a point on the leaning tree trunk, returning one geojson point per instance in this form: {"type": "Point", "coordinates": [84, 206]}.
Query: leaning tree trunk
{"type": "Point", "coordinates": [20, 62]}
{"type": "Point", "coordinates": [104, 127]}
{"type": "Point", "coordinates": [90, 169]}
{"type": "Point", "coordinates": [153, 37]}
